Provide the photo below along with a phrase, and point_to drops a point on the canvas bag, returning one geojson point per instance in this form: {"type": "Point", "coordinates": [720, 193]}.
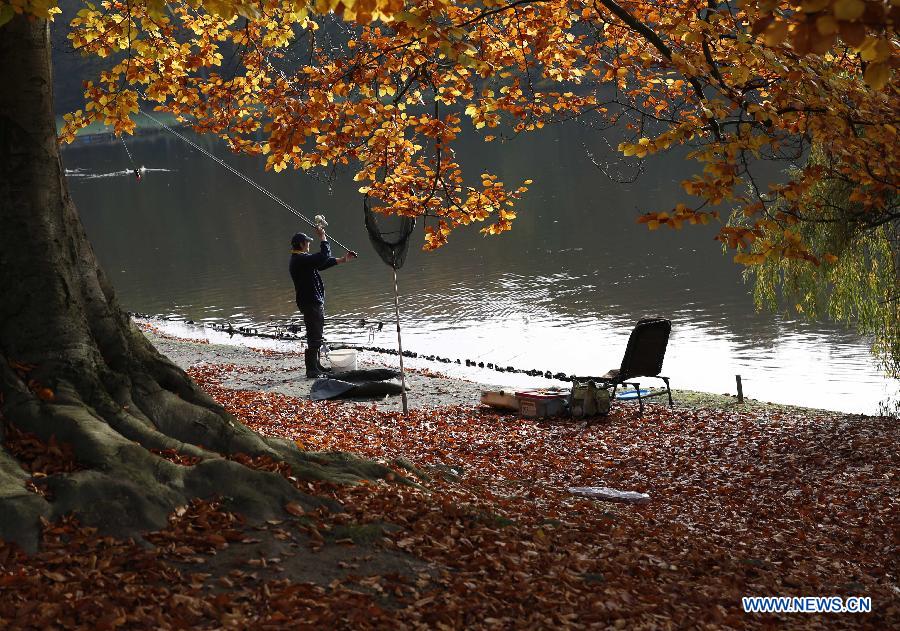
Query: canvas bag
{"type": "Point", "coordinates": [587, 399]}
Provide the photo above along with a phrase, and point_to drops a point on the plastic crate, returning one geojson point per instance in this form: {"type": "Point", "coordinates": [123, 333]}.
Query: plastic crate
{"type": "Point", "coordinates": [540, 404]}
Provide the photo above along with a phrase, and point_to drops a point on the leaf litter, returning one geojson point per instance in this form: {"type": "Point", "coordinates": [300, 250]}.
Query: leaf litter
{"type": "Point", "coordinates": [742, 503]}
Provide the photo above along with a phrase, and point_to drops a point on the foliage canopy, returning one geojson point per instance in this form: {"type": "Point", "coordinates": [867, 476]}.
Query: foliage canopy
{"type": "Point", "coordinates": [388, 87]}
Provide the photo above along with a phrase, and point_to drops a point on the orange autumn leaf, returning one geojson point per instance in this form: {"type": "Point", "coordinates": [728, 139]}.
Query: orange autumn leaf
{"type": "Point", "coordinates": [294, 509]}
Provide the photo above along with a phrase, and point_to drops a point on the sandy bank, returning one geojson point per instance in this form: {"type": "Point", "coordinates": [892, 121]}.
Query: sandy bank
{"type": "Point", "coordinates": [280, 370]}
{"type": "Point", "coordinates": [283, 372]}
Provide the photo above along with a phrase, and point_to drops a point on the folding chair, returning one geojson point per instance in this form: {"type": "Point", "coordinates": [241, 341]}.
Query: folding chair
{"type": "Point", "coordinates": [643, 358]}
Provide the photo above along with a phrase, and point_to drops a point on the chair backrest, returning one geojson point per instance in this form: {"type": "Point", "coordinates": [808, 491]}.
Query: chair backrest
{"type": "Point", "coordinates": [646, 348]}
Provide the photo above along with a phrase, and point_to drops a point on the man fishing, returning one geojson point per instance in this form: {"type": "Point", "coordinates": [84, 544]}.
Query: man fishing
{"type": "Point", "coordinates": [305, 268]}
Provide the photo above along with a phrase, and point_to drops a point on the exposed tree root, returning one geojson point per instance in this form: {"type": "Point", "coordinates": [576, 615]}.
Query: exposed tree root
{"type": "Point", "coordinates": [20, 509]}
{"type": "Point", "coordinates": [124, 488]}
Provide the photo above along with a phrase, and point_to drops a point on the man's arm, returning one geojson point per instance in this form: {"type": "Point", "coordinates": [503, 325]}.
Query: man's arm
{"type": "Point", "coordinates": [349, 256]}
{"type": "Point", "coordinates": [325, 253]}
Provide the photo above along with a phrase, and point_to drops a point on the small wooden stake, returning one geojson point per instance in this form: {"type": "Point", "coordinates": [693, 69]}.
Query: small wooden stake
{"type": "Point", "coordinates": [740, 389]}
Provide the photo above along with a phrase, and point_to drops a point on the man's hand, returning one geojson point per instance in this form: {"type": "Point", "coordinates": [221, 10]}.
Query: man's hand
{"type": "Point", "coordinates": [349, 256]}
{"type": "Point", "coordinates": [320, 232]}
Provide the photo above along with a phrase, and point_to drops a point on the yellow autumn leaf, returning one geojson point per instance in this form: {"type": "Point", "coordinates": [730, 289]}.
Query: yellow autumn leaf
{"type": "Point", "coordinates": [826, 25]}
{"type": "Point", "coordinates": [745, 258]}
{"type": "Point", "coordinates": [812, 6]}
{"type": "Point", "coordinates": [849, 10]}
{"type": "Point", "coordinates": [877, 75]}
{"type": "Point", "coordinates": [776, 33]}
{"type": "Point", "coordinates": [6, 14]}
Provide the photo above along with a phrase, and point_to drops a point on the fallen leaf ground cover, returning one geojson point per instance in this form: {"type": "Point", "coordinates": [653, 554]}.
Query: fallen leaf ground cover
{"type": "Point", "coordinates": [742, 503]}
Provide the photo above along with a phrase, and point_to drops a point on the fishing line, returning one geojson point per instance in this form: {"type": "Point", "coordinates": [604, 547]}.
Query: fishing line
{"type": "Point", "coordinates": [134, 166]}
{"type": "Point", "coordinates": [252, 183]}
{"type": "Point", "coordinates": [486, 353]}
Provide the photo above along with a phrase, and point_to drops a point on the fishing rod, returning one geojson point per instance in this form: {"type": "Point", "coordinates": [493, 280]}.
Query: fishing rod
{"type": "Point", "coordinates": [252, 183]}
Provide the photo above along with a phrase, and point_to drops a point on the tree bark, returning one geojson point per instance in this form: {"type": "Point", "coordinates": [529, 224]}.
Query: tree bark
{"type": "Point", "coordinates": [74, 367]}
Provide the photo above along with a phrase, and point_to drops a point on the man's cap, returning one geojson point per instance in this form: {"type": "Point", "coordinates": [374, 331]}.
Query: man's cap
{"type": "Point", "coordinates": [299, 239]}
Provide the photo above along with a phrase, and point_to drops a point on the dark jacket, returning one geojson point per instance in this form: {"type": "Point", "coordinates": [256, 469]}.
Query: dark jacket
{"type": "Point", "coordinates": [305, 274]}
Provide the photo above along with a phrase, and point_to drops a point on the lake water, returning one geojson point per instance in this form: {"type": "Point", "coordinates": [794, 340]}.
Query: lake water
{"type": "Point", "coordinates": [560, 292]}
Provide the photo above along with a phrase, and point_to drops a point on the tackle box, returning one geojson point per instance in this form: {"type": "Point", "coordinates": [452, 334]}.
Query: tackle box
{"type": "Point", "coordinates": [536, 403]}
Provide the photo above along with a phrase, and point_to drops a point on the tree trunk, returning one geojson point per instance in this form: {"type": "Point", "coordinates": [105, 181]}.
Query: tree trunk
{"type": "Point", "coordinates": [74, 367]}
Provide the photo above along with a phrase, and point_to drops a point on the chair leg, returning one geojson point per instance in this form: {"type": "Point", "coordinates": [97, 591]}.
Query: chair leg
{"type": "Point", "coordinates": [612, 398]}
{"type": "Point", "coordinates": [668, 389]}
{"type": "Point", "coordinates": [637, 388]}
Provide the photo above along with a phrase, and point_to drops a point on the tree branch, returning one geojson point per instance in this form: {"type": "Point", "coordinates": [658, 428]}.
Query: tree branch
{"type": "Point", "coordinates": [653, 38]}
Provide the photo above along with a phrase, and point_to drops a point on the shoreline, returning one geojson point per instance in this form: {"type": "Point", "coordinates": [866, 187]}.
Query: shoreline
{"type": "Point", "coordinates": [282, 371]}
{"type": "Point", "coordinates": [100, 133]}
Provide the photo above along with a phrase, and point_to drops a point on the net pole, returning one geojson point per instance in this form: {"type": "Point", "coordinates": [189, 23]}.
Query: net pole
{"type": "Point", "coordinates": [400, 345]}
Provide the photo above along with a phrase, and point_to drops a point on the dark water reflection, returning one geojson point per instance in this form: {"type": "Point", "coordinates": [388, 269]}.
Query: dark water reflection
{"type": "Point", "coordinates": [560, 292]}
